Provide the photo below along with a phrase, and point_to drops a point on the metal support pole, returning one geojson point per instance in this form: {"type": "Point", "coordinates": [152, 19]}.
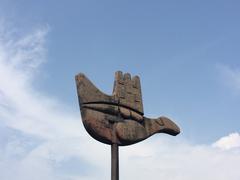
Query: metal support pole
{"type": "Point", "coordinates": [114, 162]}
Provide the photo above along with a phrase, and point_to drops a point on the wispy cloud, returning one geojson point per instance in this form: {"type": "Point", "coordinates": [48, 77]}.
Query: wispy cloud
{"type": "Point", "coordinates": [40, 139]}
{"type": "Point", "coordinates": [230, 76]}
{"type": "Point", "coordinates": [21, 105]}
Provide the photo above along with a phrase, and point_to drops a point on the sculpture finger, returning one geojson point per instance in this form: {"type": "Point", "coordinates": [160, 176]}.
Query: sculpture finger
{"type": "Point", "coordinates": [118, 89]}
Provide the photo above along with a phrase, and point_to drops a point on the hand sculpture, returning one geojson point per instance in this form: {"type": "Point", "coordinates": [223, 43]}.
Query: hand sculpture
{"type": "Point", "coordinates": [118, 119]}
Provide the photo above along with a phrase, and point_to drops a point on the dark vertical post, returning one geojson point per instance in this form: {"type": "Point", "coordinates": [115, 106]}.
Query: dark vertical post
{"type": "Point", "coordinates": [114, 162]}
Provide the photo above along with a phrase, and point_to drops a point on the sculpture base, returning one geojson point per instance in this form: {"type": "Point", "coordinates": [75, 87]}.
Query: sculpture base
{"type": "Point", "coordinates": [114, 162]}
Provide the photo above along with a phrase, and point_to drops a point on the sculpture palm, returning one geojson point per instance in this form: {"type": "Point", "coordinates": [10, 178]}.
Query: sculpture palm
{"type": "Point", "coordinates": [119, 118]}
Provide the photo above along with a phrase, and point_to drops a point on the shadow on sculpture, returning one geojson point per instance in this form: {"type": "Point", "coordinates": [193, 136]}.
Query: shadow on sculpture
{"type": "Point", "coordinates": [118, 119]}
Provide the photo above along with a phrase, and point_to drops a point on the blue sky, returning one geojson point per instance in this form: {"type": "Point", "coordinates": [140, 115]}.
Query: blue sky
{"type": "Point", "coordinates": [186, 53]}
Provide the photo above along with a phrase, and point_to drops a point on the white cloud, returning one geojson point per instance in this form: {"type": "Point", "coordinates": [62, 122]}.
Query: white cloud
{"type": "Point", "coordinates": [180, 161]}
{"type": "Point", "coordinates": [27, 116]}
{"type": "Point", "coordinates": [228, 142]}
{"type": "Point", "coordinates": [40, 139]}
{"type": "Point", "coordinates": [22, 107]}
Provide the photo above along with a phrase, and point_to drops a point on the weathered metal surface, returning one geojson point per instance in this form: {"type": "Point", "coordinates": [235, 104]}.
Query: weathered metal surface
{"type": "Point", "coordinates": [118, 118]}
